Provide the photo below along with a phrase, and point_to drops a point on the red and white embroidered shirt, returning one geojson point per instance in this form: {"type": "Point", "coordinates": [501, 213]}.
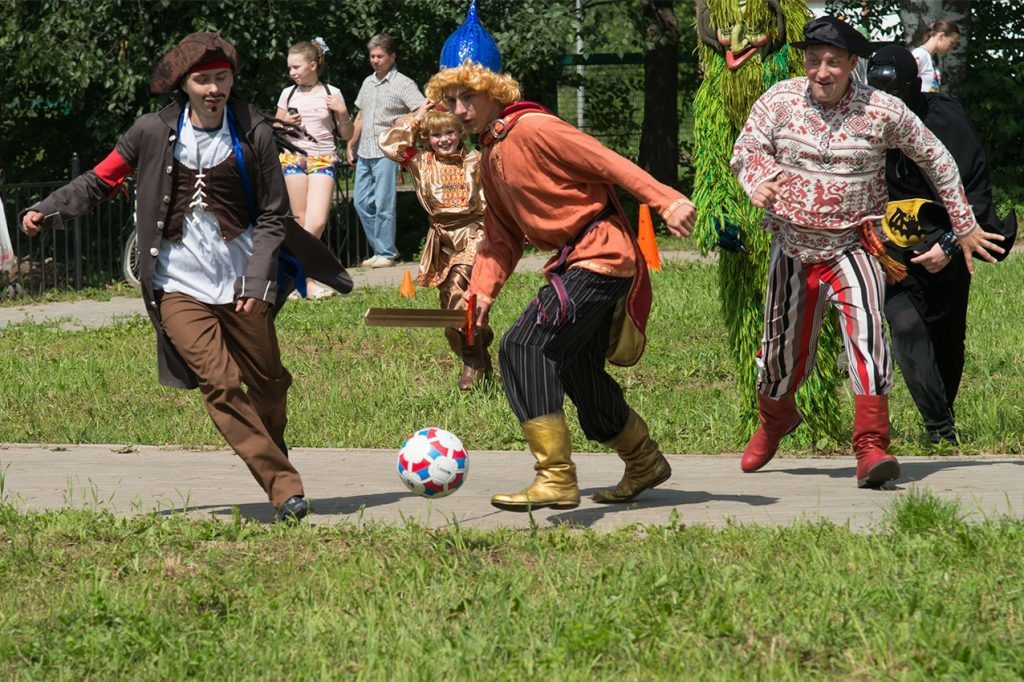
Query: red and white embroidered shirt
{"type": "Point", "coordinates": [831, 158]}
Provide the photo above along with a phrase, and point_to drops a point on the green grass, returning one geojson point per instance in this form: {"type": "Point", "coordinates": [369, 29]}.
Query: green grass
{"type": "Point", "coordinates": [357, 386]}
{"type": "Point", "coordinates": [87, 595]}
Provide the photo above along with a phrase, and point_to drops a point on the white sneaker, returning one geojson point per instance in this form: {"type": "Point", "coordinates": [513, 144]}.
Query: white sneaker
{"type": "Point", "coordinates": [318, 291]}
{"type": "Point", "coordinates": [383, 262]}
{"type": "Point", "coordinates": [368, 263]}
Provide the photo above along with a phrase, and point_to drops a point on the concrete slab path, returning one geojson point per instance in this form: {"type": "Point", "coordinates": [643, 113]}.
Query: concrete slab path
{"type": "Point", "coordinates": [356, 486]}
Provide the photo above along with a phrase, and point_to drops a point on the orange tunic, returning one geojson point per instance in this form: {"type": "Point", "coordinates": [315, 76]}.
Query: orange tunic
{"type": "Point", "coordinates": [545, 182]}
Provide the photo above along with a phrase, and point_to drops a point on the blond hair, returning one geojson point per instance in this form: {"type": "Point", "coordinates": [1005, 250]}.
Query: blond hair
{"type": "Point", "coordinates": [436, 121]}
{"type": "Point", "coordinates": [500, 87]}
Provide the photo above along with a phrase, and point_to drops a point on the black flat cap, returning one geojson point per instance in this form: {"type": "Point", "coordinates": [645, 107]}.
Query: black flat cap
{"type": "Point", "coordinates": [829, 30]}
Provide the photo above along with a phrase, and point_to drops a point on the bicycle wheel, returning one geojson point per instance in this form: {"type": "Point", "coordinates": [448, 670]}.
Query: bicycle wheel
{"type": "Point", "coordinates": [130, 262]}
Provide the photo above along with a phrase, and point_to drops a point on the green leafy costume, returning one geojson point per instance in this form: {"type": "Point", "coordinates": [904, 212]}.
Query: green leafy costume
{"type": "Point", "coordinates": [744, 50]}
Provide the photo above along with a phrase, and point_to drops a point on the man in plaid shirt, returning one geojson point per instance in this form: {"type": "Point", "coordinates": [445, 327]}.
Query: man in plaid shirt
{"type": "Point", "coordinates": [384, 96]}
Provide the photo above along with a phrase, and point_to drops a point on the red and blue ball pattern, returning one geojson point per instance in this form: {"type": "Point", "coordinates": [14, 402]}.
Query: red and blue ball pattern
{"type": "Point", "coordinates": [433, 462]}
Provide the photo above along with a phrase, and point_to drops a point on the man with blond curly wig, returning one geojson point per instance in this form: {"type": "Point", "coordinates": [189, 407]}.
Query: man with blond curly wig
{"type": "Point", "coordinates": [552, 185]}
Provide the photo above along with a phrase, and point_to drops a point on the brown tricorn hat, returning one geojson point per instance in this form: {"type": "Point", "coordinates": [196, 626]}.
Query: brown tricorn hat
{"type": "Point", "coordinates": [194, 49]}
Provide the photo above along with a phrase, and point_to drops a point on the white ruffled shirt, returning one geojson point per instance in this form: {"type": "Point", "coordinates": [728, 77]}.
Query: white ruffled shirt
{"type": "Point", "coordinates": [202, 265]}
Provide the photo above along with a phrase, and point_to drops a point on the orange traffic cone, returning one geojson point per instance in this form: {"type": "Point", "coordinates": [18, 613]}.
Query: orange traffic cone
{"type": "Point", "coordinates": [648, 244]}
{"type": "Point", "coordinates": [407, 290]}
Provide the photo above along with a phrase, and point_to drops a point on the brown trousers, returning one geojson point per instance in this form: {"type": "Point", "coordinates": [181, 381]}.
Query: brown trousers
{"type": "Point", "coordinates": [450, 291]}
{"type": "Point", "coordinates": [226, 349]}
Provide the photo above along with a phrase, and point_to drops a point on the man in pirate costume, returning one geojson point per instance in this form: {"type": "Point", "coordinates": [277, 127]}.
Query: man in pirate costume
{"type": "Point", "coordinates": [927, 310]}
{"type": "Point", "coordinates": [212, 216]}
{"type": "Point", "coordinates": [812, 153]}
{"type": "Point", "coordinates": [552, 185]}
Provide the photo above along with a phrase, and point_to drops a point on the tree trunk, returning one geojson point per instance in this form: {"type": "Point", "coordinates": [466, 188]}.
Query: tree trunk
{"type": "Point", "coordinates": [659, 139]}
{"type": "Point", "coordinates": [917, 14]}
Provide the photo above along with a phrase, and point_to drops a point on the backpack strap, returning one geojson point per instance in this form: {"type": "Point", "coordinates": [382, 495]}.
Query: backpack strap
{"type": "Point", "coordinates": [290, 94]}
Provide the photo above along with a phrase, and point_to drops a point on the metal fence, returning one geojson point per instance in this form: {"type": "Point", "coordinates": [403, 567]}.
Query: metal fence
{"type": "Point", "coordinates": [603, 95]}
{"type": "Point", "coordinates": [91, 251]}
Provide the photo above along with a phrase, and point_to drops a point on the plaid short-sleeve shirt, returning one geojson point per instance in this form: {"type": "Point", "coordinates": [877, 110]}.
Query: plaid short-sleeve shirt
{"type": "Point", "coordinates": [381, 101]}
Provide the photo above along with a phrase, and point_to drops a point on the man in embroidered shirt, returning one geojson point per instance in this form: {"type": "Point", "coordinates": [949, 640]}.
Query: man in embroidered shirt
{"type": "Point", "coordinates": [212, 212]}
{"type": "Point", "coordinates": [812, 154]}
{"type": "Point", "coordinates": [384, 96]}
{"type": "Point", "coordinates": [550, 184]}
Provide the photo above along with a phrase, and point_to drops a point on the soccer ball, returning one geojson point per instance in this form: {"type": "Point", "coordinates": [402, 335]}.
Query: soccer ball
{"type": "Point", "coordinates": [433, 463]}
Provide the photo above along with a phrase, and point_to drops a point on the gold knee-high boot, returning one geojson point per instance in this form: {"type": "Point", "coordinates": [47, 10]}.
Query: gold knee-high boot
{"type": "Point", "coordinates": [555, 483]}
{"type": "Point", "coordinates": [646, 467]}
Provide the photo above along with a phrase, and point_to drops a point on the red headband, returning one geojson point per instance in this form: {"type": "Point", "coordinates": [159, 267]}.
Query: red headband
{"type": "Point", "coordinates": [210, 66]}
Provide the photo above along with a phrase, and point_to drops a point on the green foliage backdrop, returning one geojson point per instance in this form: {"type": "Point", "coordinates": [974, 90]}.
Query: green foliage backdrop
{"type": "Point", "coordinates": [77, 72]}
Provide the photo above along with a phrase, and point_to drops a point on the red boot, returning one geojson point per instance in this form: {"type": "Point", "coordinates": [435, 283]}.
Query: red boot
{"type": "Point", "coordinates": [870, 439]}
{"type": "Point", "coordinates": [778, 418]}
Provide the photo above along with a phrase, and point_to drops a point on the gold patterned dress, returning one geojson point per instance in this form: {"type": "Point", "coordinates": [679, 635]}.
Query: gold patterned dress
{"type": "Point", "coordinates": [450, 191]}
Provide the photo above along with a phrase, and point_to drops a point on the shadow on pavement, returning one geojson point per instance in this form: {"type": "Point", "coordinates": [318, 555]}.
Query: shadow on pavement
{"type": "Point", "coordinates": [910, 470]}
{"type": "Point", "coordinates": [650, 500]}
{"type": "Point", "coordinates": [263, 512]}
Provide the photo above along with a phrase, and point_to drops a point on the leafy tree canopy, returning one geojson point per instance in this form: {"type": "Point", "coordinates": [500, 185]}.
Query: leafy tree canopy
{"type": "Point", "coordinates": [78, 73]}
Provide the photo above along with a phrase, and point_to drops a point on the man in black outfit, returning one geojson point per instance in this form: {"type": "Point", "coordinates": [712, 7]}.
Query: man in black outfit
{"type": "Point", "coordinates": [927, 311]}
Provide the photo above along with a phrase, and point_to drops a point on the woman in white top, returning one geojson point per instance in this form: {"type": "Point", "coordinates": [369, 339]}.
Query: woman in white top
{"type": "Point", "coordinates": [939, 39]}
{"type": "Point", "coordinates": [319, 109]}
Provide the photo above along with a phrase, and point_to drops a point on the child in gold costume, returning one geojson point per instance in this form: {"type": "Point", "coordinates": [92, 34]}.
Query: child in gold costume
{"type": "Point", "coordinates": [447, 181]}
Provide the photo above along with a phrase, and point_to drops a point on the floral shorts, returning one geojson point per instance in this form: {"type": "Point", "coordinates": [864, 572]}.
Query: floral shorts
{"type": "Point", "coordinates": [296, 164]}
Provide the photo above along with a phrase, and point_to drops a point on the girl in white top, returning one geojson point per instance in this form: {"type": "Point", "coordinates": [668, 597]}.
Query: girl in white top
{"type": "Point", "coordinates": [320, 110]}
{"type": "Point", "coordinates": [939, 39]}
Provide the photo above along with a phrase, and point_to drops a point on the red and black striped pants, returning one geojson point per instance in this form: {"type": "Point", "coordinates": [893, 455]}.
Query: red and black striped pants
{"type": "Point", "coordinates": [798, 292]}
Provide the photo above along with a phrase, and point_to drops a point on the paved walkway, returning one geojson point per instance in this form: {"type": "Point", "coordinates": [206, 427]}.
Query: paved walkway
{"type": "Point", "coordinates": [357, 485]}
{"type": "Point", "coordinates": [362, 485]}
{"type": "Point", "coordinates": [92, 314]}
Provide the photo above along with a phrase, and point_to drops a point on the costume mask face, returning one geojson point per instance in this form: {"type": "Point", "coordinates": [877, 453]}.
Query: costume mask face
{"type": "Point", "coordinates": [741, 29]}
{"type": "Point", "coordinates": [893, 70]}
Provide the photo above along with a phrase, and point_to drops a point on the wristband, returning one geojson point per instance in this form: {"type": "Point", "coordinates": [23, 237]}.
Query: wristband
{"type": "Point", "coordinates": [949, 245]}
{"type": "Point", "coordinates": [675, 205]}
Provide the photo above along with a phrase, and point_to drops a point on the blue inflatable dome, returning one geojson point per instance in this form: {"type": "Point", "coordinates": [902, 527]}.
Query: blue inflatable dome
{"type": "Point", "coordinates": [471, 41]}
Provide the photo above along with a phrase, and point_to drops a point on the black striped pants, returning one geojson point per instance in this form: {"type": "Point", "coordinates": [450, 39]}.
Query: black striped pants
{"type": "Point", "coordinates": [541, 362]}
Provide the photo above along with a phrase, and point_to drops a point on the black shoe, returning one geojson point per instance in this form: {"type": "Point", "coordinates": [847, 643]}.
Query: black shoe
{"type": "Point", "coordinates": [294, 509]}
{"type": "Point", "coordinates": [944, 433]}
